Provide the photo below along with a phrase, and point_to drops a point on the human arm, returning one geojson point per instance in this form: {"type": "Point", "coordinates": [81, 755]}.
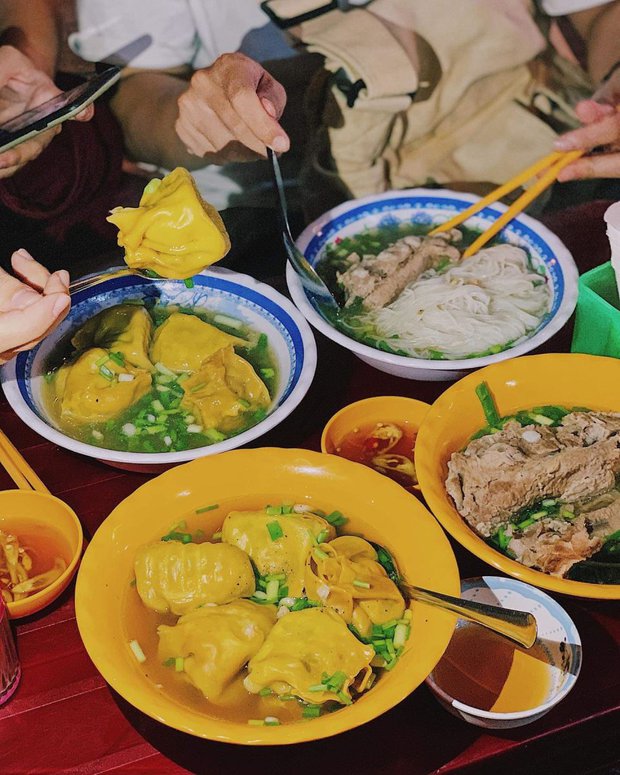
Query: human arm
{"type": "Point", "coordinates": [32, 304]}
{"type": "Point", "coordinates": [599, 28]}
{"type": "Point", "coordinates": [226, 112]}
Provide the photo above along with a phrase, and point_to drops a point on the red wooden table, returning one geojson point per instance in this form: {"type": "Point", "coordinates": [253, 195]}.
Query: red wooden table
{"type": "Point", "coordinates": [64, 718]}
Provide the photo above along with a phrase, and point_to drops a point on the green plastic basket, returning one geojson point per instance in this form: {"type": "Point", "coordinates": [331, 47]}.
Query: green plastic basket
{"type": "Point", "coordinates": [597, 322]}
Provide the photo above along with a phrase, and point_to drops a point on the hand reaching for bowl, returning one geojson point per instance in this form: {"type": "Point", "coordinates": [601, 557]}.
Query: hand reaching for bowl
{"type": "Point", "coordinates": [32, 306]}
{"type": "Point", "coordinates": [22, 87]}
{"type": "Point", "coordinates": [601, 129]}
{"type": "Point", "coordinates": [231, 111]}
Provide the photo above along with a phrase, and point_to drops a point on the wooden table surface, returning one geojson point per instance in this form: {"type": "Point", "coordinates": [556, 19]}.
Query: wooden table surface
{"type": "Point", "coordinates": [64, 717]}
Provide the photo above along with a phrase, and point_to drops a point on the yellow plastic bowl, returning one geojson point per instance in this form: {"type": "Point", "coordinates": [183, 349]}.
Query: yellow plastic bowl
{"type": "Point", "coordinates": [563, 379]}
{"type": "Point", "coordinates": [40, 510]}
{"type": "Point", "coordinates": [375, 506]}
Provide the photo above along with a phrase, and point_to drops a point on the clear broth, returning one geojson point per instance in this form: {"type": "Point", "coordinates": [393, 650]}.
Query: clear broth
{"type": "Point", "coordinates": [488, 672]}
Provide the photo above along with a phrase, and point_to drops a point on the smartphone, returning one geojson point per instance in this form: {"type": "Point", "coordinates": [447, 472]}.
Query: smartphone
{"type": "Point", "coordinates": [57, 110]}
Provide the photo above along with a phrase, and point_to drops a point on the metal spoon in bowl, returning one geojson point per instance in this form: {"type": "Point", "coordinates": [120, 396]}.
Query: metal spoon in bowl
{"type": "Point", "coordinates": [518, 626]}
{"type": "Point", "coordinates": [312, 283]}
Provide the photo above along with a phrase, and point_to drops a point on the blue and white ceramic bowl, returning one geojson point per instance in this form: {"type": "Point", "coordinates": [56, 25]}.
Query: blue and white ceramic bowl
{"type": "Point", "coordinates": [220, 290]}
{"type": "Point", "coordinates": [558, 639]}
{"type": "Point", "coordinates": [433, 206]}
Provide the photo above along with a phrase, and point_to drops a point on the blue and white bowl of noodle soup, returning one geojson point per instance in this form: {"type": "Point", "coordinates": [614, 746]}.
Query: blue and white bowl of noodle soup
{"type": "Point", "coordinates": [523, 304]}
{"type": "Point", "coordinates": [222, 298]}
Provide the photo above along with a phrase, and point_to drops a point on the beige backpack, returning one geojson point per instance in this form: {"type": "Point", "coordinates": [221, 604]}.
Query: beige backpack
{"type": "Point", "coordinates": [428, 90]}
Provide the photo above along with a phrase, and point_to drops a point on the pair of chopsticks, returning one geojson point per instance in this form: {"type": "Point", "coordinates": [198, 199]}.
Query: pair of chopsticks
{"type": "Point", "coordinates": [552, 163]}
{"type": "Point", "coordinates": [17, 468]}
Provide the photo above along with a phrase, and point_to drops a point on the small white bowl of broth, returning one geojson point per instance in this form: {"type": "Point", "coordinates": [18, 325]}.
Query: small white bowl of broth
{"type": "Point", "coordinates": [490, 682]}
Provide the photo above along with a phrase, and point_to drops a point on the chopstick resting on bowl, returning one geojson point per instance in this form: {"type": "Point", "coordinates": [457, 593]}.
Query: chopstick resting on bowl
{"type": "Point", "coordinates": [553, 164]}
{"type": "Point", "coordinates": [17, 467]}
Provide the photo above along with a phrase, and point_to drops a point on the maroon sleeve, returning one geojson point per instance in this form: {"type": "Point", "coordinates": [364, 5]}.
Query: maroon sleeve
{"type": "Point", "coordinates": [74, 180]}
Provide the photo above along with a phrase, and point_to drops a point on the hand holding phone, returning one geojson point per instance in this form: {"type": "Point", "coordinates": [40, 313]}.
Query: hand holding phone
{"type": "Point", "coordinates": [23, 87]}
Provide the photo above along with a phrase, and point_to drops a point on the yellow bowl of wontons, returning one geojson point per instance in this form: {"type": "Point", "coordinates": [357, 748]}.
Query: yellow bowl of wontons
{"type": "Point", "coordinates": [200, 495]}
{"type": "Point", "coordinates": [564, 380]}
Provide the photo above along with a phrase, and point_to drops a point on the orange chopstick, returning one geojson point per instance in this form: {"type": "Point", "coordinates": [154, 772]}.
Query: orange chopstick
{"type": "Point", "coordinates": [553, 163]}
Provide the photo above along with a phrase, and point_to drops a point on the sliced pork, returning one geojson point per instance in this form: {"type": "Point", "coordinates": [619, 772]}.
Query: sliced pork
{"type": "Point", "coordinates": [378, 280]}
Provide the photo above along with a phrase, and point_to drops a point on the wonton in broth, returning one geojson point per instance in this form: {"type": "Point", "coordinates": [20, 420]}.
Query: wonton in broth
{"type": "Point", "coordinates": [160, 379]}
{"type": "Point", "coordinates": [274, 618]}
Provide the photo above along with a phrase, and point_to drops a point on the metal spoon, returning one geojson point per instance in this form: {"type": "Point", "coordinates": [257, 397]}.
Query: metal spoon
{"type": "Point", "coordinates": [87, 282]}
{"type": "Point", "coordinates": [518, 626]}
{"type": "Point", "coordinates": [313, 285]}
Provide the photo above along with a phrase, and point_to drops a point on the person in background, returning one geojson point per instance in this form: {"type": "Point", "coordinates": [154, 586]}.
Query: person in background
{"type": "Point", "coordinates": [32, 303]}
{"type": "Point", "coordinates": [598, 24]}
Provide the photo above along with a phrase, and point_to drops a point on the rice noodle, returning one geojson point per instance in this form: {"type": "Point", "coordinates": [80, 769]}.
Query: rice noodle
{"type": "Point", "coordinates": [489, 300]}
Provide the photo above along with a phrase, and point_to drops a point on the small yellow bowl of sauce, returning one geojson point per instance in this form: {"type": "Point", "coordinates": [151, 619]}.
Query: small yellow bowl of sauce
{"type": "Point", "coordinates": [380, 433]}
{"type": "Point", "coordinates": [40, 547]}
{"type": "Point", "coordinates": [489, 681]}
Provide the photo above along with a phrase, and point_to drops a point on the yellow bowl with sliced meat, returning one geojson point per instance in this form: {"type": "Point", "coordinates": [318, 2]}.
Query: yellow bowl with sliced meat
{"type": "Point", "coordinates": [536, 494]}
{"type": "Point", "coordinates": [253, 601]}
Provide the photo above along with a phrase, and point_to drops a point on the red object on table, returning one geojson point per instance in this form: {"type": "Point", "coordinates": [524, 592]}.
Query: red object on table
{"type": "Point", "coordinates": [64, 718]}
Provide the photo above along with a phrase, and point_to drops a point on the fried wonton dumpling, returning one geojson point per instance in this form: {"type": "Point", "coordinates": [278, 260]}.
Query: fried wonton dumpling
{"type": "Point", "coordinates": [87, 396]}
{"type": "Point", "coordinates": [224, 390]}
{"type": "Point", "coordinates": [173, 232]}
{"type": "Point", "coordinates": [124, 328]}
{"type": "Point", "coordinates": [287, 554]}
{"type": "Point", "coordinates": [349, 559]}
{"type": "Point", "coordinates": [183, 342]}
{"type": "Point", "coordinates": [216, 642]}
{"type": "Point", "coordinates": [302, 649]}
{"type": "Point", "coordinates": [178, 578]}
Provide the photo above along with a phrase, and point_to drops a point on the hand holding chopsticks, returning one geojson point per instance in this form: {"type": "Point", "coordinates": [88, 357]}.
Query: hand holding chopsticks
{"type": "Point", "coordinates": [553, 164]}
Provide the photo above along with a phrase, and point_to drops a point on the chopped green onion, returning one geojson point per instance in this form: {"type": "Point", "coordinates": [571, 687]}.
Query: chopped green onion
{"type": "Point", "coordinates": [104, 359]}
{"type": "Point", "coordinates": [287, 508]}
{"type": "Point", "coordinates": [316, 688]}
{"type": "Point", "coordinates": [245, 404]}
{"type": "Point", "coordinates": [276, 576]}
{"type": "Point", "coordinates": [549, 502]}
{"type": "Point", "coordinates": [169, 662]}
{"type": "Point", "coordinates": [539, 515]}
{"type": "Point", "coordinates": [272, 589]}
{"type": "Point", "coordinates": [118, 358]}
{"type": "Point", "coordinates": [275, 530]}
{"type": "Point", "coordinates": [214, 435]}
{"type": "Point", "coordinates": [105, 372]}
{"type": "Point", "coordinates": [273, 511]}
{"type": "Point", "coordinates": [503, 539]}
{"type": "Point", "coordinates": [162, 389]}
{"type": "Point", "coordinates": [322, 536]}
{"type": "Point", "coordinates": [164, 370]}
{"type": "Point", "coordinates": [217, 536]}
{"type": "Point", "coordinates": [272, 721]}
{"type": "Point", "coordinates": [198, 387]}
{"type": "Point", "coordinates": [260, 595]}
{"type": "Point", "coordinates": [256, 722]}
{"type": "Point", "coordinates": [542, 419]}
{"type": "Point", "coordinates": [189, 283]}
{"type": "Point", "coordinates": [179, 664]}
{"type": "Point", "coordinates": [137, 650]}
{"type": "Point", "coordinates": [265, 691]}
{"type": "Point", "coordinates": [567, 513]}
{"type": "Point", "coordinates": [320, 554]}
{"type": "Point", "coordinates": [311, 711]}
{"type": "Point", "coordinates": [401, 633]}
{"type": "Point", "coordinates": [267, 373]}
{"type": "Point", "coordinates": [157, 405]}
{"type": "Point", "coordinates": [225, 320]}
{"type": "Point", "coordinates": [488, 404]}
{"type": "Point", "coordinates": [344, 698]}
{"type": "Point", "coordinates": [337, 680]}
{"type": "Point", "coordinates": [361, 584]}
{"type": "Point", "coordinates": [207, 508]}
{"type": "Point", "coordinates": [152, 429]}
{"type": "Point", "coordinates": [336, 518]}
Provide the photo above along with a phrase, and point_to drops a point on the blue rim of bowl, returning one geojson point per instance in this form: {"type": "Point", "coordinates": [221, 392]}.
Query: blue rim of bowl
{"type": "Point", "coordinates": [559, 265]}
{"type": "Point", "coordinates": [271, 304]}
{"type": "Point", "coordinates": [560, 614]}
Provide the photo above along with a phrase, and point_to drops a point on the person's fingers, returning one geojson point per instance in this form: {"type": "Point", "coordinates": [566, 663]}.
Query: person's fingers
{"type": "Point", "coordinates": [58, 282]}
{"type": "Point", "coordinates": [589, 111]}
{"type": "Point", "coordinates": [274, 92]}
{"type": "Point", "coordinates": [603, 132]}
{"type": "Point", "coordinates": [32, 323]}
{"type": "Point", "coordinates": [86, 114]}
{"type": "Point", "coordinates": [604, 165]}
{"type": "Point", "coordinates": [13, 160]}
{"type": "Point", "coordinates": [29, 270]}
{"type": "Point", "coordinates": [250, 111]}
